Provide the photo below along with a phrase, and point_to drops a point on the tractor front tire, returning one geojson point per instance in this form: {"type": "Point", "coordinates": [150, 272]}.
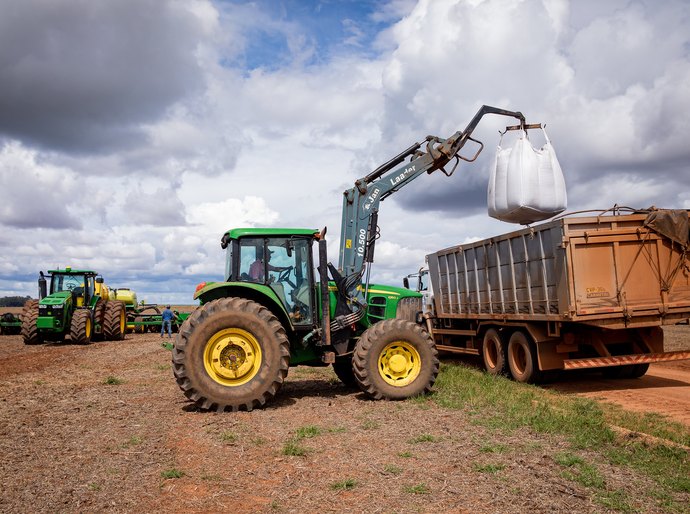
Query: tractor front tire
{"type": "Point", "coordinates": [81, 328]}
{"type": "Point", "coordinates": [343, 370]}
{"type": "Point", "coordinates": [114, 321]}
{"type": "Point", "coordinates": [395, 359]}
{"type": "Point", "coordinates": [231, 354]}
{"type": "Point", "coordinates": [30, 332]}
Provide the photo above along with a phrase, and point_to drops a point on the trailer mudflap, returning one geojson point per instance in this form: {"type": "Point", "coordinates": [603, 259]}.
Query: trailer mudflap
{"type": "Point", "coordinates": [624, 360]}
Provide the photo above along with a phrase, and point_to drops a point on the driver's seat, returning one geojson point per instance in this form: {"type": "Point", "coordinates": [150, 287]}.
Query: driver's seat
{"type": "Point", "coordinates": [78, 296]}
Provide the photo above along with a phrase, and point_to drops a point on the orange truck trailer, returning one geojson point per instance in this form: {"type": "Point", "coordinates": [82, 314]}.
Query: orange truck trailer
{"type": "Point", "coordinates": [577, 292]}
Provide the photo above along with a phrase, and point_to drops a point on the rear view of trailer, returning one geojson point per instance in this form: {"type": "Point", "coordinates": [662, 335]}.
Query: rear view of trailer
{"type": "Point", "coordinates": [578, 292]}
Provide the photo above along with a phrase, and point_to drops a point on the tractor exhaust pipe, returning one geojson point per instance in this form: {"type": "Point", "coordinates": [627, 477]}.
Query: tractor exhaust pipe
{"type": "Point", "coordinates": [42, 287]}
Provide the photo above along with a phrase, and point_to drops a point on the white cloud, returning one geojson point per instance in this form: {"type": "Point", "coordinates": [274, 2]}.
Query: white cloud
{"type": "Point", "coordinates": [197, 136]}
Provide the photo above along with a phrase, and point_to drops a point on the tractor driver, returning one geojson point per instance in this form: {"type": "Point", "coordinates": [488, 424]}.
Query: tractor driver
{"type": "Point", "coordinates": [256, 269]}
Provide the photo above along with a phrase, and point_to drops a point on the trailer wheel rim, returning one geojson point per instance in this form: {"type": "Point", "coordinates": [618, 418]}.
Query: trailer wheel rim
{"type": "Point", "coordinates": [518, 358]}
{"type": "Point", "coordinates": [399, 363]}
{"type": "Point", "coordinates": [491, 353]}
{"type": "Point", "coordinates": [232, 357]}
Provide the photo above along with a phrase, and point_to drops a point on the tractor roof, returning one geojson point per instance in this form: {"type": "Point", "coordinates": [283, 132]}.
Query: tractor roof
{"type": "Point", "coordinates": [70, 271]}
{"type": "Point", "coordinates": [237, 233]}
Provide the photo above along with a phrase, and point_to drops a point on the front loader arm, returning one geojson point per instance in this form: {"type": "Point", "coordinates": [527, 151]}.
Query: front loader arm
{"type": "Point", "coordinates": [360, 203]}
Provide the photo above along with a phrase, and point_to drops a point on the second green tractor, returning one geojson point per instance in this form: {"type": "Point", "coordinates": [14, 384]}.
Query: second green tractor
{"type": "Point", "coordinates": [73, 305]}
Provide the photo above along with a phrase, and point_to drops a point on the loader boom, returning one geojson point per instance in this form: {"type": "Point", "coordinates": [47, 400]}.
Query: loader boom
{"type": "Point", "coordinates": [359, 229]}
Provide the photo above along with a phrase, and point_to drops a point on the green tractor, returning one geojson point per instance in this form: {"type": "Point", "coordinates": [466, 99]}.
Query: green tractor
{"type": "Point", "coordinates": [273, 311]}
{"type": "Point", "coordinates": [233, 352]}
{"type": "Point", "coordinates": [77, 307]}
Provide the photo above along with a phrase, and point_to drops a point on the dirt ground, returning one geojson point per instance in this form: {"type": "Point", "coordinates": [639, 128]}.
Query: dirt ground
{"type": "Point", "coordinates": [104, 427]}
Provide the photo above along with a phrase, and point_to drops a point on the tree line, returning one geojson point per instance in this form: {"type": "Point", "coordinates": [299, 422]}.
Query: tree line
{"type": "Point", "coordinates": [13, 301]}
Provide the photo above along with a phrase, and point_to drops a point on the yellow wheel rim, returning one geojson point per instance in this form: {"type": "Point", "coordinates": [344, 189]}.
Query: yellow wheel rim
{"type": "Point", "coordinates": [232, 357]}
{"type": "Point", "coordinates": [123, 321]}
{"type": "Point", "coordinates": [399, 363]}
{"type": "Point", "coordinates": [87, 328]}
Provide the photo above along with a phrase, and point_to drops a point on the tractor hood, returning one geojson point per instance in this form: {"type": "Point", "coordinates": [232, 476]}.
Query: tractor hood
{"type": "Point", "coordinates": [58, 298]}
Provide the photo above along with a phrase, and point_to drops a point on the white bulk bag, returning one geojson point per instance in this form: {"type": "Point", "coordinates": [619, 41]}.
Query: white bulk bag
{"type": "Point", "coordinates": [526, 184]}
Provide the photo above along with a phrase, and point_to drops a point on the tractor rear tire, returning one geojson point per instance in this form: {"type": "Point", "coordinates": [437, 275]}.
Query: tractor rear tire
{"type": "Point", "coordinates": [29, 317]}
{"type": "Point", "coordinates": [522, 358]}
{"type": "Point", "coordinates": [81, 328]}
{"type": "Point", "coordinates": [494, 353]}
{"type": "Point", "coordinates": [231, 354]}
{"type": "Point", "coordinates": [114, 321]}
{"type": "Point", "coordinates": [395, 359]}
{"type": "Point", "coordinates": [343, 370]}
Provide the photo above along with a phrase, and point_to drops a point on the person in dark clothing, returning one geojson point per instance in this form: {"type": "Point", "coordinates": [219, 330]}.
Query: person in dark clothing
{"type": "Point", "coordinates": [167, 315]}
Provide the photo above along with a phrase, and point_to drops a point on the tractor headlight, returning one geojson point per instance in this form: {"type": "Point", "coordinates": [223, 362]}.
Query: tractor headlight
{"type": "Point", "coordinates": [43, 309]}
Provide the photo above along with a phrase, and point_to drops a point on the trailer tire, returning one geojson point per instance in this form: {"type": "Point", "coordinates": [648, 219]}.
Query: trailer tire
{"type": "Point", "coordinates": [395, 359]}
{"type": "Point", "coordinates": [30, 332]}
{"type": "Point", "coordinates": [114, 321]}
{"type": "Point", "coordinates": [344, 371]}
{"type": "Point", "coordinates": [639, 370]}
{"type": "Point", "coordinates": [522, 358]}
{"type": "Point", "coordinates": [231, 354]}
{"type": "Point", "coordinates": [81, 327]}
{"type": "Point", "coordinates": [494, 353]}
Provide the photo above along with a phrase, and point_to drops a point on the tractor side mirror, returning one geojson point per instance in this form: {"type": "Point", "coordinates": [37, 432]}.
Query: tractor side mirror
{"type": "Point", "coordinates": [406, 282]}
{"type": "Point", "coordinates": [99, 280]}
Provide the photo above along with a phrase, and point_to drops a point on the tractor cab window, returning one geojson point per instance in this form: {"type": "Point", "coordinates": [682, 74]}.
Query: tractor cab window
{"type": "Point", "coordinates": [89, 287]}
{"type": "Point", "coordinates": [282, 263]}
{"type": "Point", "coordinates": [65, 283]}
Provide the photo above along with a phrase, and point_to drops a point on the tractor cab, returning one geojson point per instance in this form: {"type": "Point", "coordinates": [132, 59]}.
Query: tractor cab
{"type": "Point", "coordinates": [279, 259]}
{"type": "Point", "coordinates": [79, 283]}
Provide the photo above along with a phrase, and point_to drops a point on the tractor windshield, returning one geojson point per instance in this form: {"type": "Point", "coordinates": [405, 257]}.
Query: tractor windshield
{"type": "Point", "coordinates": [282, 263]}
{"type": "Point", "coordinates": [66, 283]}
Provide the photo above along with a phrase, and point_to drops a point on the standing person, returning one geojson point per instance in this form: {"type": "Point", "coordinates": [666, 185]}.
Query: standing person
{"type": "Point", "coordinates": [167, 316]}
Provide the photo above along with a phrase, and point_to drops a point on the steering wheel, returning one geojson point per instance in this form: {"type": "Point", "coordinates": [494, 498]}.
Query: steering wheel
{"type": "Point", "coordinates": [284, 275]}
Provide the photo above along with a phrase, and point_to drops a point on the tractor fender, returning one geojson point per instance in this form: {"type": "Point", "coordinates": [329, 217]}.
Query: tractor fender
{"type": "Point", "coordinates": [258, 293]}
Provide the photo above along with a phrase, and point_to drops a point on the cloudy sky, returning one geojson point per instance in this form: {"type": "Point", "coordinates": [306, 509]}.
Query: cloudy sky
{"type": "Point", "coordinates": [134, 133]}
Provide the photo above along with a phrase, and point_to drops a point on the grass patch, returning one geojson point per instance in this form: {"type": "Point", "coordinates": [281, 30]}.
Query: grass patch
{"type": "Point", "coordinates": [172, 473]}
{"type": "Point", "coordinates": [307, 432]}
{"type": "Point", "coordinates": [417, 489]}
{"type": "Point", "coordinates": [494, 448]}
{"type": "Point", "coordinates": [228, 437]}
{"type": "Point", "coordinates": [423, 438]}
{"type": "Point", "coordinates": [292, 448]}
{"type": "Point", "coordinates": [135, 440]}
{"type": "Point", "coordinates": [391, 469]}
{"type": "Point", "coordinates": [505, 406]}
{"type": "Point", "coordinates": [615, 500]}
{"type": "Point", "coordinates": [344, 485]}
{"type": "Point", "coordinates": [370, 424]}
{"type": "Point", "coordinates": [113, 381]}
{"type": "Point", "coordinates": [405, 455]}
{"type": "Point", "coordinates": [488, 468]}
